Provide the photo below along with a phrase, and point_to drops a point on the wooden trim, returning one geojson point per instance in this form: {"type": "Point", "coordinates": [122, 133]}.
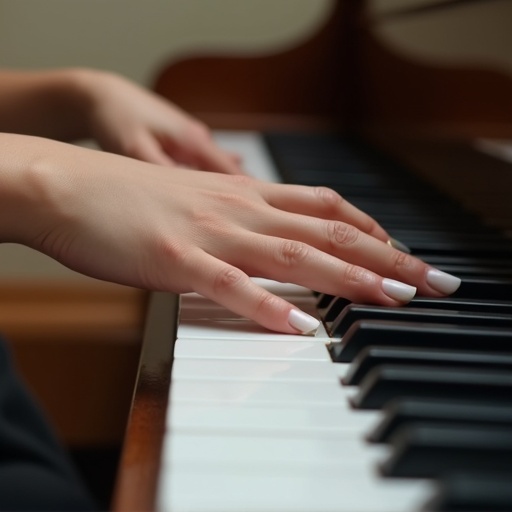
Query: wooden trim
{"type": "Point", "coordinates": [70, 310]}
{"type": "Point", "coordinates": [281, 84]}
{"type": "Point", "coordinates": [137, 480]}
{"type": "Point", "coordinates": [460, 101]}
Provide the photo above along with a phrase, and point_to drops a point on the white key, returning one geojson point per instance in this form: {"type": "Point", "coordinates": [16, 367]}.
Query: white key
{"type": "Point", "coordinates": [280, 452]}
{"type": "Point", "coordinates": [234, 417]}
{"type": "Point", "coordinates": [283, 289]}
{"type": "Point", "coordinates": [238, 329]}
{"type": "Point", "coordinates": [221, 369]}
{"type": "Point", "coordinates": [257, 161]}
{"type": "Point", "coordinates": [314, 491]}
{"type": "Point", "coordinates": [233, 349]}
{"type": "Point", "coordinates": [268, 393]}
{"type": "Point", "coordinates": [199, 312]}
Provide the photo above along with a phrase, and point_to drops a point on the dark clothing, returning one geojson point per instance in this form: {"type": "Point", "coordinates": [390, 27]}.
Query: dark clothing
{"type": "Point", "coordinates": [35, 473]}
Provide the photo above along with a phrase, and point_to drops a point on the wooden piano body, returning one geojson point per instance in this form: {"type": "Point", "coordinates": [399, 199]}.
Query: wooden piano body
{"type": "Point", "coordinates": [346, 77]}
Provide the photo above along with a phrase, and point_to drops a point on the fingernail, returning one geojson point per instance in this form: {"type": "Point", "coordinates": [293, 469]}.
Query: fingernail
{"type": "Point", "coordinates": [397, 290]}
{"type": "Point", "coordinates": [396, 244]}
{"type": "Point", "coordinates": [303, 322]}
{"type": "Point", "coordinates": [442, 282]}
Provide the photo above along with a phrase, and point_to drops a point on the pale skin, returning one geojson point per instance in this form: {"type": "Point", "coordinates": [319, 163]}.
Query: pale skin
{"type": "Point", "coordinates": [143, 218]}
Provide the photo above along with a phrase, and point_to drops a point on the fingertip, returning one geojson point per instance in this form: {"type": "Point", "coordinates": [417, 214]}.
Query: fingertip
{"type": "Point", "coordinates": [443, 282]}
{"type": "Point", "coordinates": [302, 322]}
{"type": "Point", "coordinates": [397, 290]}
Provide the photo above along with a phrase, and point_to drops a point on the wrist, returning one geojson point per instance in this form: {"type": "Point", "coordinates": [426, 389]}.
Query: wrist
{"type": "Point", "coordinates": [29, 189]}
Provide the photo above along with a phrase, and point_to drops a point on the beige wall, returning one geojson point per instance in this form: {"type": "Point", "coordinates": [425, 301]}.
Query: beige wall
{"type": "Point", "coordinates": [135, 37]}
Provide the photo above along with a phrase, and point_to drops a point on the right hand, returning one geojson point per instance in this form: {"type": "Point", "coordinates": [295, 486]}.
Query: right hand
{"type": "Point", "coordinates": [138, 224]}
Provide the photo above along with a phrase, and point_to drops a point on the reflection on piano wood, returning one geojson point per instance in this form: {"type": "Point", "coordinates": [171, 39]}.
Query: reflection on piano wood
{"type": "Point", "coordinates": [412, 409]}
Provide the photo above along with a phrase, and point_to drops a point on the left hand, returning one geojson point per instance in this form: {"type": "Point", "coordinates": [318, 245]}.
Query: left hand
{"type": "Point", "coordinates": [131, 121]}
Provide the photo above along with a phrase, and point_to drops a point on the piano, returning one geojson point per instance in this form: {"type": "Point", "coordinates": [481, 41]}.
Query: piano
{"type": "Point", "coordinates": [383, 409]}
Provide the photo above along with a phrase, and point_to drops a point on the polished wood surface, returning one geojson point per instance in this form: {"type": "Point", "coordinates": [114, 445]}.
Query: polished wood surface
{"type": "Point", "coordinates": [400, 94]}
{"type": "Point", "coordinates": [305, 86]}
{"type": "Point", "coordinates": [140, 463]}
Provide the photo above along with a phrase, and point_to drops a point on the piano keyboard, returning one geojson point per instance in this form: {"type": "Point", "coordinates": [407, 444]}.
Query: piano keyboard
{"type": "Point", "coordinates": [397, 409]}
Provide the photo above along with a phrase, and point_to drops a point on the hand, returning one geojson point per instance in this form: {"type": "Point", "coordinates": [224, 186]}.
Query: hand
{"type": "Point", "coordinates": [138, 224]}
{"type": "Point", "coordinates": [129, 120]}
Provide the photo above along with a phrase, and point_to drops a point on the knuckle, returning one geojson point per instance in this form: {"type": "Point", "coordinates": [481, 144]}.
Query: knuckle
{"type": "Point", "coordinates": [340, 233]}
{"type": "Point", "coordinates": [235, 201]}
{"type": "Point", "coordinates": [265, 303]}
{"type": "Point", "coordinates": [329, 197]}
{"type": "Point", "coordinates": [174, 251]}
{"type": "Point", "coordinates": [227, 279]}
{"type": "Point", "coordinates": [403, 261]}
{"type": "Point", "coordinates": [203, 218]}
{"type": "Point", "coordinates": [292, 252]}
{"type": "Point", "coordinates": [355, 275]}
{"type": "Point", "coordinates": [241, 180]}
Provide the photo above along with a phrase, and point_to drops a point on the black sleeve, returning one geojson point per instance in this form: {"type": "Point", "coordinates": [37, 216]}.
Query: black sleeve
{"type": "Point", "coordinates": [35, 473]}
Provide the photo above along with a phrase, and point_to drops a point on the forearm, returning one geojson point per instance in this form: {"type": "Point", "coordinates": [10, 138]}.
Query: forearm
{"type": "Point", "coordinates": [50, 104]}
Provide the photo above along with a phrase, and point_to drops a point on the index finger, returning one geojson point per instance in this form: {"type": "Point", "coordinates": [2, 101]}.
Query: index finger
{"type": "Point", "coordinates": [323, 203]}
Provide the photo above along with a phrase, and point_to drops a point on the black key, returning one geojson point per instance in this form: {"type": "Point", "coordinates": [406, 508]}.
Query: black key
{"type": "Point", "coordinates": [355, 312]}
{"type": "Point", "coordinates": [372, 357]}
{"type": "Point", "coordinates": [461, 304]}
{"type": "Point", "coordinates": [400, 413]}
{"type": "Point", "coordinates": [497, 248]}
{"type": "Point", "coordinates": [450, 259]}
{"type": "Point", "coordinates": [387, 382]}
{"type": "Point", "coordinates": [392, 222]}
{"type": "Point", "coordinates": [473, 492]}
{"type": "Point", "coordinates": [485, 288]}
{"type": "Point", "coordinates": [323, 300]}
{"type": "Point", "coordinates": [365, 333]}
{"type": "Point", "coordinates": [467, 271]}
{"type": "Point", "coordinates": [447, 234]}
{"type": "Point", "coordinates": [429, 451]}
{"type": "Point", "coordinates": [334, 308]}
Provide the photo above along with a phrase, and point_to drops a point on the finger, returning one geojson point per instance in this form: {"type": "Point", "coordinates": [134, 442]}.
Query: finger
{"type": "Point", "coordinates": [147, 149]}
{"type": "Point", "coordinates": [212, 158]}
{"type": "Point", "coordinates": [232, 288]}
{"type": "Point", "coordinates": [323, 203]}
{"type": "Point", "coordinates": [196, 148]}
{"type": "Point", "coordinates": [297, 262]}
{"type": "Point", "coordinates": [235, 157]}
{"type": "Point", "coordinates": [353, 246]}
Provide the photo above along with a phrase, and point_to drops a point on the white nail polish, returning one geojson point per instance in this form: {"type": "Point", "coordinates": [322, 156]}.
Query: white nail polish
{"type": "Point", "coordinates": [303, 322]}
{"type": "Point", "coordinates": [442, 282]}
{"type": "Point", "coordinates": [397, 290]}
{"type": "Point", "coordinates": [396, 244]}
